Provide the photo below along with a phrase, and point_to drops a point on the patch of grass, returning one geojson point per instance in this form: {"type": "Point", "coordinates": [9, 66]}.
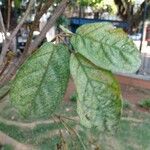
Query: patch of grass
{"type": "Point", "coordinates": [72, 142]}
{"type": "Point", "coordinates": [31, 136]}
{"type": "Point", "coordinates": [74, 97]}
{"type": "Point", "coordinates": [13, 132]}
{"type": "Point", "coordinates": [7, 147]}
{"type": "Point", "coordinates": [48, 144]}
{"type": "Point", "coordinates": [44, 128]}
{"type": "Point", "coordinates": [67, 109]}
{"type": "Point", "coordinates": [126, 104]}
{"type": "Point", "coordinates": [130, 136]}
{"type": "Point", "coordinates": [134, 135]}
{"type": "Point", "coordinates": [38, 132]}
{"type": "Point", "coordinates": [8, 111]}
{"type": "Point", "coordinates": [145, 103]}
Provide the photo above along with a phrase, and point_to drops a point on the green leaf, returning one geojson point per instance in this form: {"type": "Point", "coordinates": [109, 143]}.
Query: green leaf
{"type": "Point", "coordinates": [65, 30]}
{"type": "Point", "coordinates": [18, 3]}
{"type": "Point", "coordinates": [107, 47]}
{"type": "Point", "coordinates": [41, 82]}
{"type": "Point", "coordinates": [99, 103]}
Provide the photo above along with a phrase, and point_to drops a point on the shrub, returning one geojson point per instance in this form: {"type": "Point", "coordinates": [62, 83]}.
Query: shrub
{"type": "Point", "coordinates": [74, 97]}
{"type": "Point", "coordinates": [145, 103]}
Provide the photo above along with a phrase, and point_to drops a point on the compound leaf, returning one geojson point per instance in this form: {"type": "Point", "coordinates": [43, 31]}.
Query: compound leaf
{"type": "Point", "coordinates": [41, 81]}
{"type": "Point", "coordinates": [99, 104]}
{"type": "Point", "coordinates": [107, 47]}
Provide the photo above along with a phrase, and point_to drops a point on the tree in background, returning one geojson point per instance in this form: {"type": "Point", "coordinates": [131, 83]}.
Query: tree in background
{"type": "Point", "coordinates": [99, 6]}
{"type": "Point", "coordinates": [131, 11]}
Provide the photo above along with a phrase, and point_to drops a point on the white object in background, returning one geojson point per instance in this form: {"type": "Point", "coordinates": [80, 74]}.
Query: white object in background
{"type": "Point", "coordinates": [43, 21]}
{"type": "Point", "coordinates": [35, 33]}
{"type": "Point", "coordinates": [51, 33]}
{"type": "Point", "coordinates": [2, 37]}
{"type": "Point", "coordinates": [88, 10]}
{"type": "Point", "coordinates": [138, 2]}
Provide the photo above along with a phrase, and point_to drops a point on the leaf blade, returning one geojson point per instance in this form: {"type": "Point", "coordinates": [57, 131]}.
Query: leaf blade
{"type": "Point", "coordinates": [107, 47]}
{"type": "Point", "coordinates": [99, 103]}
{"type": "Point", "coordinates": [41, 82]}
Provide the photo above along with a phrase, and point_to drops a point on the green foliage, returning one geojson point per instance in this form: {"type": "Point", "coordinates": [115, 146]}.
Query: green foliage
{"type": "Point", "coordinates": [17, 3]}
{"type": "Point", "coordinates": [126, 104]}
{"type": "Point", "coordinates": [99, 5]}
{"type": "Point", "coordinates": [88, 2]}
{"type": "Point", "coordinates": [13, 131]}
{"type": "Point", "coordinates": [41, 82]}
{"type": "Point", "coordinates": [97, 91]}
{"type": "Point", "coordinates": [62, 20]}
{"type": "Point", "coordinates": [7, 147]}
{"type": "Point", "coordinates": [145, 103]}
{"type": "Point", "coordinates": [50, 143]}
{"type": "Point", "coordinates": [107, 47]}
{"type": "Point", "coordinates": [74, 97]}
{"type": "Point", "coordinates": [97, 50]}
{"type": "Point", "coordinates": [137, 133]}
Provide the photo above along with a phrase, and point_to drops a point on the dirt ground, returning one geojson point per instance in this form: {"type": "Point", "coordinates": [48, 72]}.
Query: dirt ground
{"type": "Point", "coordinates": [131, 93]}
{"type": "Point", "coordinates": [135, 95]}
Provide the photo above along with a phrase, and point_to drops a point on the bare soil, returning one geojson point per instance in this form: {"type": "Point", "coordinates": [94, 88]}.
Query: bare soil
{"type": "Point", "coordinates": [135, 95]}
{"type": "Point", "coordinates": [129, 92]}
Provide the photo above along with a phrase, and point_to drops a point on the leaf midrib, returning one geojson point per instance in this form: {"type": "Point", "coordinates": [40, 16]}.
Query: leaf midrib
{"type": "Point", "coordinates": [103, 43]}
{"type": "Point", "coordinates": [88, 80]}
{"type": "Point", "coordinates": [43, 77]}
{"type": "Point", "coordinates": [109, 85]}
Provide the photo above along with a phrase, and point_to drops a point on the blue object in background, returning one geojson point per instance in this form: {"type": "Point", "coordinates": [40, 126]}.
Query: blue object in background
{"type": "Point", "coordinates": [76, 22]}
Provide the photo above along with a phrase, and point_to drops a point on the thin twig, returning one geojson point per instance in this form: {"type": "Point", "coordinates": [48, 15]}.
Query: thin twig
{"type": "Point", "coordinates": [15, 31]}
{"type": "Point", "coordinates": [8, 13]}
{"type": "Point", "coordinates": [68, 118]}
{"type": "Point", "coordinates": [29, 125]}
{"type": "Point", "coordinates": [132, 119]}
{"type": "Point", "coordinates": [2, 23]}
{"type": "Point", "coordinates": [40, 11]}
{"type": "Point", "coordinates": [65, 125]}
{"type": "Point", "coordinates": [32, 28]}
{"type": "Point", "coordinates": [76, 133]}
{"type": "Point", "coordinates": [60, 132]}
{"type": "Point", "coordinates": [58, 11]}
